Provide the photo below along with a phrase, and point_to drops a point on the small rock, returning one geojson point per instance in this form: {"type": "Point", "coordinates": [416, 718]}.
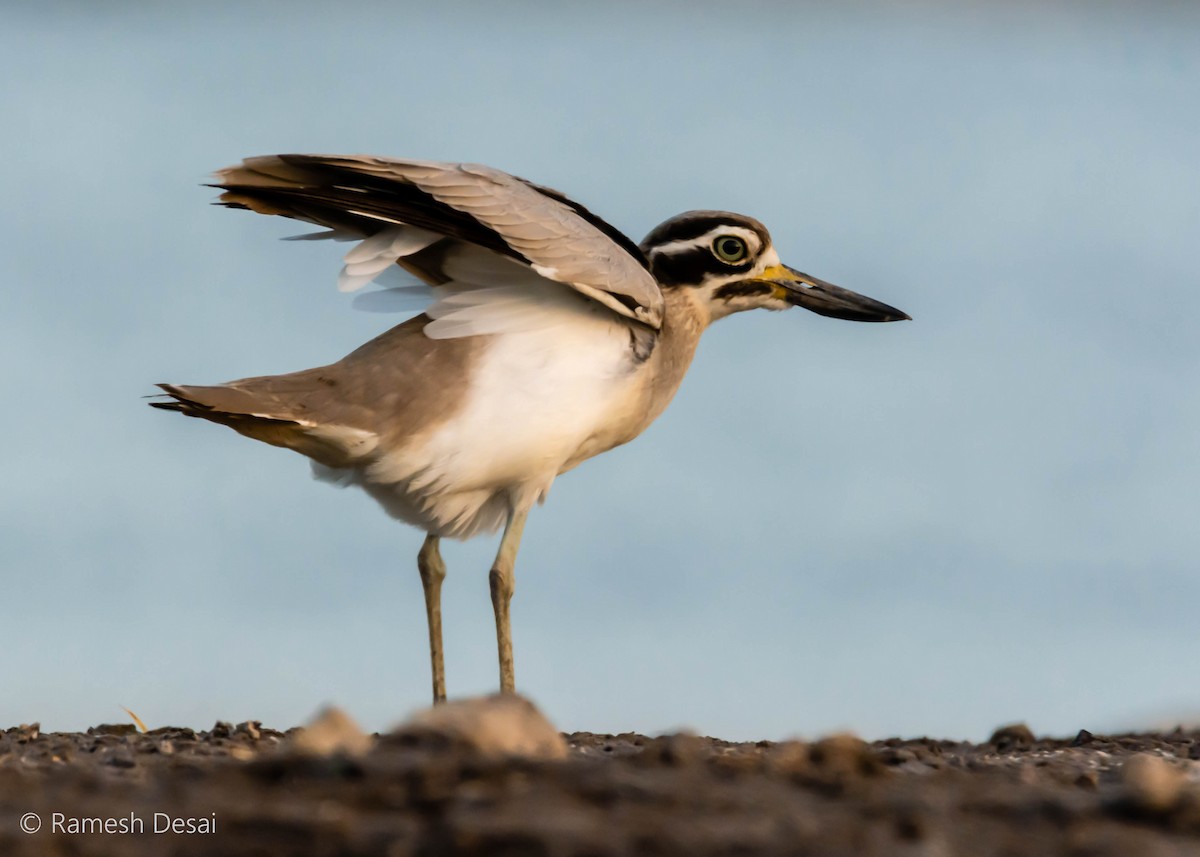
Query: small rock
{"type": "Point", "coordinates": [1083, 738]}
{"type": "Point", "coordinates": [120, 760]}
{"type": "Point", "coordinates": [331, 731]}
{"type": "Point", "coordinates": [250, 728]}
{"type": "Point", "coordinates": [1151, 783]}
{"type": "Point", "coordinates": [25, 732]}
{"type": "Point", "coordinates": [844, 756]}
{"type": "Point", "coordinates": [897, 755]}
{"type": "Point", "coordinates": [181, 733]}
{"type": "Point", "coordinates": [788, 758]}
{"type": "Point", "coordinates": [682, 748]}
{"type": "Point", "coordinates": [113, 729]}
{"type": "Point", "coordinates": [221, 729]}
{"type": "Point", "coordinates": [1012, 737]}
{"type": "Point", "coordinates": [497, 726]}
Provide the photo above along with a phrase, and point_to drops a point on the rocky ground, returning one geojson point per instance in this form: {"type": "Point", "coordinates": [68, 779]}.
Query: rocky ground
{"type": "Point", "coordinates": [482, 784]}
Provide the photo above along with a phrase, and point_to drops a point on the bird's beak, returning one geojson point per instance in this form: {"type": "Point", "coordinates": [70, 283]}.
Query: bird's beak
{"type": "Point", "coordinates": [827, 299]}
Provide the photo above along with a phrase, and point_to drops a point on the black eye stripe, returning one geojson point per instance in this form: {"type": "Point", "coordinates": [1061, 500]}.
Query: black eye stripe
{"type": "Point", "coordinates": [690, 268]}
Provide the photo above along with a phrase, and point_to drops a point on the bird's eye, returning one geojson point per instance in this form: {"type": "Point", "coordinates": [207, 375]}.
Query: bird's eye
{"type": "Point", "coordinates": [729, 248]}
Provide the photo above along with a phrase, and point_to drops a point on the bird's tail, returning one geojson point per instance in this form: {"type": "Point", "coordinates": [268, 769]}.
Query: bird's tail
{"type": "Point", "coordinates": [244, 413]}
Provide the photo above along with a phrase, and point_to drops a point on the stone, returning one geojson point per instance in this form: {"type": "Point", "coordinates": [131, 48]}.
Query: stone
{"type": "Point", "coordinates": [221, 729]}
{"type": "Point", "coordinates": [113, 729]}
{"type": "Point", "coordinates": [331, 732]}
{"type": "Point", "coordinates": [1012, 736]}
{"type": "Point", "coordinates": [498, 726]}
{"type": "Point", "coordinates": [250, 728]}
{"type": "Point", "coordinates": [1151, 783]}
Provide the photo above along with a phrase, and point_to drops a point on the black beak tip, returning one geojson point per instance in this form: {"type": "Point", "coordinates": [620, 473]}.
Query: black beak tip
{"type": "Point", "coordinates": [881, 312]}
{"type": "Point", "coordinates": [884, 312]}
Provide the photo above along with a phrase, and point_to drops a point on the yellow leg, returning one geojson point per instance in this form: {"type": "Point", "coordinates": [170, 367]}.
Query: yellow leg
{"type": "Point", "coordinates": [433, 572]}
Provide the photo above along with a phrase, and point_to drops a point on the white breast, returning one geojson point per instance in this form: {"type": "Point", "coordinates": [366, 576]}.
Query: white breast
{"type": "Point", "coordinates": [537, 403]}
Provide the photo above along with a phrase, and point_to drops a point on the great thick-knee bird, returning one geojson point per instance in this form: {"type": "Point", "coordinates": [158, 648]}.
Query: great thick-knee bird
{"type": "Point", "coordinates": [549, 337]}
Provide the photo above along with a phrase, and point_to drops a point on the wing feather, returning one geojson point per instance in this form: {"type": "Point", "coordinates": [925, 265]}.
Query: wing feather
{"type": "Point", "coordinates": [372, 256]}
{"type": "Point", "coordinates": [550, 237]}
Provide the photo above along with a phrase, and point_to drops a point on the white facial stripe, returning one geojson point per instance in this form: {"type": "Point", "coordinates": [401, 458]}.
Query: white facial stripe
{"type": "Point", "coordinates": [753, 242]}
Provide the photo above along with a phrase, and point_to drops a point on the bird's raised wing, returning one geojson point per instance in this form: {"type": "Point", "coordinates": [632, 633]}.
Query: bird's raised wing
{"type": "Point", "coordinates": [432, 217]}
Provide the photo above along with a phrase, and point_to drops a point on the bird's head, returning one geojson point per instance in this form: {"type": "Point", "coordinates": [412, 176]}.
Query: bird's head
{"type": "Point", "coordinates": [729, 261]}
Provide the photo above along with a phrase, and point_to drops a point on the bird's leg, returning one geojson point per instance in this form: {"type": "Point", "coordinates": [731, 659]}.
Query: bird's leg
{"type": "Point", "coordinates": [502, 580]}
{"type": "Point", "coordinates": [433, 572]}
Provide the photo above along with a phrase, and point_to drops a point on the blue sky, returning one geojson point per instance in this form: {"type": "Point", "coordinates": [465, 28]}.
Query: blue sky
{"type": "Point", "coordinates": [983, 515]}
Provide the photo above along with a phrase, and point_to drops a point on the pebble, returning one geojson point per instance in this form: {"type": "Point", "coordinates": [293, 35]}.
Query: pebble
{"type": "Point", "coordinates": [250, 728]}
{"type": "Point", "coordinates": [221, 729]}
{"type": "Point", "coordinates": [331, 732]}
{"type": "Point", "coordinates": [25, 732]}
{"type": "Point", "coordinates": [844, 754]}
{"type": "Point", "coordinates": [1151, 783]}
{"type": "Point", "coordinates": [122, 759]}
{"type": "Point", "coordinates": [497, 726]}
{"type": "Point", "coordinates": [113, 729]}
{"type": "Point", "coordinates": [1014, 735]}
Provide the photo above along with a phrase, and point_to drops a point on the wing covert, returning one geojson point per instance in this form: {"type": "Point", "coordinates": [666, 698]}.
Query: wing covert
{"type": "Point", "coordinates": [415, 206]}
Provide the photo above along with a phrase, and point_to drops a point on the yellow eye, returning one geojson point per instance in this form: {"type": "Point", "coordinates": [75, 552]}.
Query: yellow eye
{"type": "Point", "coordinates": [729, 248]}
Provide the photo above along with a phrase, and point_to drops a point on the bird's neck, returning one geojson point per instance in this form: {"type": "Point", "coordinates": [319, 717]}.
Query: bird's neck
{"type": "Point", "coordinates": [685, 318]}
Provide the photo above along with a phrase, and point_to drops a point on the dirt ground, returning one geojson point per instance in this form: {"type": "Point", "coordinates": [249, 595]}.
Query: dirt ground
{"type": "Point", "coordinates": [397, 795]}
